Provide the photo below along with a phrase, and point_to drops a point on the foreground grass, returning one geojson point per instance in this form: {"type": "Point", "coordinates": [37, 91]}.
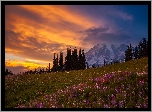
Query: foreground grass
{"type": "Point", "coordinates": [123, 85]}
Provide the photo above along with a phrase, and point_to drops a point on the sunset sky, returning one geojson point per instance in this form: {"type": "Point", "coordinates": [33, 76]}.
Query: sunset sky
{"type": "Point", "coordinates": [34, 32]}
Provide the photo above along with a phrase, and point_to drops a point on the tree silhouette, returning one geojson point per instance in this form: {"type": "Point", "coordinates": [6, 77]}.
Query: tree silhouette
{"type": "Point", "coordinates": [140, 51]}
{"type": "Point", "coordinates": [143, 48]}
{"type": "Point", "coordinates": [68, 60]}
{"type": "Point", "coordinates": [55, 64]}
{"type": "Point", "coordinates": [128, 53]}
{"type": "Point", "coordinates": [83, 60]}
{"type": "Point", "coordinates": [72, 61]}
{"type": "Point", "coordinates": [79, 60]}
{"type": "Point", "coordinates": [104, 62]}
{"type": "Point", "coordinates": [136, 53]}
{"type": "Point", "coordinates": [61, 61]}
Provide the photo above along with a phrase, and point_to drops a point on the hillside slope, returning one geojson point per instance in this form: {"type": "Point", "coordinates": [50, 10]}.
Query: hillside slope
{"type": "Point", "coordinates": [120, 85]}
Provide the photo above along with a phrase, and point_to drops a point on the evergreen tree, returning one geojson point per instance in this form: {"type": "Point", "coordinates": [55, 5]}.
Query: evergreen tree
{"type": "Point", "coordinates": [68, 60]}
{"type": "Point", "coordinates": [75, 59]}
{"type": "Point", "coordinates": [144, 46]}
{"type": "Point", "coordinates": [79, 60]}
{"type": "Point", "coordinates": [147, 48]}
{"type": "Point", "coordinates": [61, 61]}
{"type": "Point", "coordinates": [129, 53]}
{"type": "Point", "coordinates": [140, 49]}
{"type": "Point", "coordinates": [136, 53]}
{"type": "Point", "coordinates": [55, 64]}
{"type": "Point", "coordinates": [72, 61]}
{"type": "Point", "coordinates": [104, 62]}
{"type": "Point", "coordinates": [87, 65]}
{"type": "Point", "coordinates": [83, 60]}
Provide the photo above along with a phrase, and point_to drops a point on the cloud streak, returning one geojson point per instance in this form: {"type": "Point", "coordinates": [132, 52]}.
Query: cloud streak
{"type": "Point", "coordinates": [101, 34]}
{"type": "Point", "coordinates": [120, 14]}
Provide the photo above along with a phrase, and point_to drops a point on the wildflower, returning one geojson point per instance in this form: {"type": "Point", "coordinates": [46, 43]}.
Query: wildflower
{"type": "Point", "coordinates": [141, 81]}
{"type": "Point", "coordinates": [121, 103]}
{"type": "Point", "coordinates": [84, 101]}
{"type": "Point", "coordinates": [53, 106]}
{"type": "Point", "coordinates": [40, 105]}
{"type": "Point", "coordinates": [113, 102]}
{"type": "Point", "coordinates": [140, 94]}
{"type": "Point", "coordinates": [106, 106]}
{"type": "Point", "coordinates": [46, 96]}
{"type": "Point", "coordinates": [145, 105]}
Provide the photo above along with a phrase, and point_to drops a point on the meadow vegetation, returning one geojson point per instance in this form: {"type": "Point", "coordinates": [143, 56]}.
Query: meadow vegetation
{"type": "Point", "coordinates": [122, 85]}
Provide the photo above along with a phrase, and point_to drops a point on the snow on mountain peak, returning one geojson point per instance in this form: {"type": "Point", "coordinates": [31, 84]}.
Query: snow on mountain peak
{"type": "Point", "coordinates": [101, 51]}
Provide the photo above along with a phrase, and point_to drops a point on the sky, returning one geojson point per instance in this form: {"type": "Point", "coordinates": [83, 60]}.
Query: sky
{"type": "Point", "coordinates": [33, 33]}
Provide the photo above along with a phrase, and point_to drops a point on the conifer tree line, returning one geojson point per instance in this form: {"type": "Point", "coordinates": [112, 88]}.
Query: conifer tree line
{"type": "Point", "coordinates": [72, 61]}
{"type": "Point", "coordinates": [140, 51]}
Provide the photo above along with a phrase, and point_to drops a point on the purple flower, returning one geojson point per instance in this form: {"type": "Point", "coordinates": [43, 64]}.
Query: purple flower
{"type": "Point", "coordinates": [113, 102]}
{"type": "Point", "coordinates": [121, 103]}
{"type": "Point", "coordinates": [106, 106]}
{"type": "Point", "coordinates": [145, 105]}
{"type": "Point", "coordinates": [113, 96]}
{"type": "Point", "coordinates": [47, 96]}
{"type": "Point", "coordinates": [140, 94]}
{"type": "Point", "coordinates": [122, 86]}
{"type": "Point", "coordinates": [40, 105]}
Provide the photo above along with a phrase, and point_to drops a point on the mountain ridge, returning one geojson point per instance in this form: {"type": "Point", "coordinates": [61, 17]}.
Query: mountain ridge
{"type": "Point", "coordinates": [108, 51]}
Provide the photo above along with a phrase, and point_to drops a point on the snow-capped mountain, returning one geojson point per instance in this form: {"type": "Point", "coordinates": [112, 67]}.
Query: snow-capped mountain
{"type": "Point", "coordinates": [109, 52]}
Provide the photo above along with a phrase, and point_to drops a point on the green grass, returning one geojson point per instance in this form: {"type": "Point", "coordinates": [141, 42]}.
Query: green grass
{"type": "Point", "coordinates": [80, 88]}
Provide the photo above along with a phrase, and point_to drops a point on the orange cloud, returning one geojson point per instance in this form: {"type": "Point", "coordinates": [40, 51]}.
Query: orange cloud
{"type": "Point", "coordinates": [30, 64]}
{"type": "Point", "coordinates": [55, 23]}
{"type": "Point", "coordinates": [36, 32]}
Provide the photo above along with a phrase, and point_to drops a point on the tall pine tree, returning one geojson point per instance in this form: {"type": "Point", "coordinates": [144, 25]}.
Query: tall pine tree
{"type": "Point", "coordinates": [129, 53]}
{"type": "Point", "coordinates": [136, 53]}
{"type": "Point", "coordinates": [61, 61]}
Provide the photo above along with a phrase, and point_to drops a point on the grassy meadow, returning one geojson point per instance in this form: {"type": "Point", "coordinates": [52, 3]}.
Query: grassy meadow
{"type": "Point", "coordinates": [123, 85]}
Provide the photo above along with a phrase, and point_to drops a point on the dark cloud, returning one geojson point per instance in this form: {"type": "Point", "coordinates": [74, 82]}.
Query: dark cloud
{"type": "Point", "coordinates": [95, 30]}
{"type": "Point", "coordinates": [37, 20]}
{"type": "Point", "coordinates": [103, 35]}
{"type": "Point", "coordinates": [17, 10]}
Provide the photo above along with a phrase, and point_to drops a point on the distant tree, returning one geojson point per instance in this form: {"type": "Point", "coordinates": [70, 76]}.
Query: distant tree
{"type": "Point", "coordinates": [68, 62]}
{"type": "Point", "coordinates": [128, 53]}
{"type": "Point", "coordinates": [104, 62]}
{"type": "Point", "coordinates": [115, 62]}
{"type": "Point", "coordinates": [55, 64]}
{"type": "Point", "coordinates": [83, 61]}
{"type": "Point", "coordinates": [147, 49]}
{"type": "Point", "coordinates": [136, 53]}
{"type": "Point", "coordinates": [111, 62]}
{"type": "Point", "coordinates": [87, 65]}
{"type": "Point", "coordinates": [143, 48]}
{"type": "Point", "coordinates": [93, 66]}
